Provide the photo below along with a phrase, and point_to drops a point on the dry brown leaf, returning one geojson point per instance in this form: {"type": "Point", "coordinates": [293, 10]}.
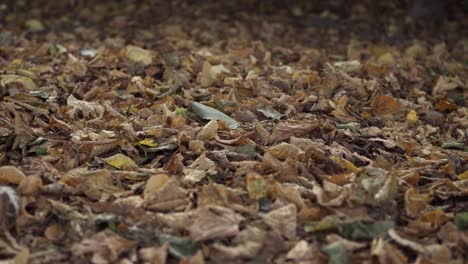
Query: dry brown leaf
{"type": "Point", "coordinates": [214, 222]}
{"type": "Point", "coordinates": [283, 220]}
{"type": "Point", "coordinates": [11, 175]}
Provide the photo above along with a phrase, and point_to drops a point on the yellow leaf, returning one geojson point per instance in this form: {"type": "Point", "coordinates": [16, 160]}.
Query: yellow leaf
{"type": "Point", "coordinates": [463, 176]}
{"type": "Point", "coordinates": [349, 166]}
{"type": "Point", "coordinates": [120, 161]}
{"type": "Point", "coordinates": [149, 142]}
{"type": "Point", "coordinates": [34, 25]}
{"type": "Point", "coordinates": [257, 186]}
{"type": "Point", "coordinates": [138, 54]}
{"type": "Point", "coordinates": [412, 117]}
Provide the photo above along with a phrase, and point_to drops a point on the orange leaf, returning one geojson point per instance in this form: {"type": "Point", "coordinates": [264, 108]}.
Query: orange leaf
{"type": "Point", "coordinates": [445, 106]}
{"type": "Point", "coordinates": [384, 104]}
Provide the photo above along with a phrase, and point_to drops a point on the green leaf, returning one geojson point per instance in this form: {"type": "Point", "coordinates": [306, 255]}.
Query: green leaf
{"type": "Point", "coordinates": [362, 231]}
{"type": "Point", "coordinates": [179, 247]}
{"type": "Point", "coordinates": [210, 113]}
{"type": "Point", "coordinates": [461, 220]}
{"type": "Point", "coordinates": [336, 252]}
{"type": "Point", "coordinates": [451, 144]}
{"type": "Point", "coordinates": [180, 111]}
{"type": "Point", "coordinates": [41, 151]}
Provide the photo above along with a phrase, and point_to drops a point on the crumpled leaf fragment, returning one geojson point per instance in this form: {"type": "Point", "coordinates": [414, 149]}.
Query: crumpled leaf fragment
{"type": "Point", "coordinates": [416, 202]}
{"type": "Point", "coordinates": [284, 220]}
{"type": "Point", "coordinates": [211, 73]}
{"type": "Point", "coordinates": [209, 131]}
{"type": "Point", "coordinates": [336, 252]}
{"type": "Point", "coordinates": [285, 150]}
{"type": "Point", "coordinates": [348, 66]}
{"type": "Point", "coordinates": [269, 112]}
{"type": "Point", "coordinates": [94, 184]}
{"type": "Point", "coordinates": [386, 252]}
{"type": "Point", "coordinates": [170, 196]}
{"type": "Point", "coordinates": [246, 244]}
{"type": "Point", "coordinates": [214, 222]}
{"type": "Point", "coordinates": [286, 129]}
{"type": "Point", "coordinates": [358, 230]}
{"type": "Point", "coordinates": [105, 247]}
{"type": "Point", "coordinates": [445, 84]}
{"type": "Point", "coordinates": [257, 186]}
{"type": "Point", "coordinates": [87, 109]}
{"type": "Point", "coordinates": [332, 194]}
{"type": "Point", "coordinates": [461, 220]}
{"type": "Point", "coordinates": [154, 254]}
{"type": "Point", "coordinates": [429, 221]}
{"type": "Point", "coordinates": [374, 186]}
{"type": "Point", "coordinates": [75, 66]}
{"type": "Point", "coordinates": [179, 247]}
{"type": "Point", "coordinates": [210, 113]}
{"type": "Point", "coordinates": [202, 163]}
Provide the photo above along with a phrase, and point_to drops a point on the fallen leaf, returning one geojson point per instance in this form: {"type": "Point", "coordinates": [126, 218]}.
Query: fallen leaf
{"type": "Point", "coordinates": [155, 183]}
{"type": "Point", "coordinates": [105, 247]}
{"type": "Point", "coordinates": [211, 73]}
{"type": "Point", "coordinates": [209, 131]}
{"type": "Point", "coordinates": [336, 252]}
{"type": "Point", "coordinates": [25, 82]}
{"type": "Point", "coordinates": [412, 117]}
{"type": "Point", "coordinates": [384, 105]}
{"type": "Point", "coordinates": [120, 161]}
{"type": "Point", "coordinates": [34, 25]}
{"type": "Point", "coordinates": [137, 54]}
{"type": "Point", "coordinates": [416, 202]}
{"type": "Point", "coordinates": [11, 175]}
{"type": "Point", "coordinates": [286, 150]}
{"type": "Point", "coordinates": [30, 185]}
{"type": "Point", "coordinates": [257, 186]}
{"type": "Point", "coordinates": [209, 113]}
{"type": "Point", "coordinates": [179, 247]}
{"type": "Point", "coordinates": [214, 222]}
{"type": "Point", "coordinates": [461, 221]}
{"type": "Point", "coordinates": [149, 142]}
{"type": "Point", "coordinates": [284, 220]}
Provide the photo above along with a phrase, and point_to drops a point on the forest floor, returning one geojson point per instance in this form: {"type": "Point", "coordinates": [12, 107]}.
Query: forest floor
{"type": "Point", "coordinates": [243, 132]}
